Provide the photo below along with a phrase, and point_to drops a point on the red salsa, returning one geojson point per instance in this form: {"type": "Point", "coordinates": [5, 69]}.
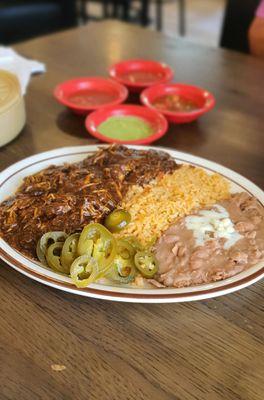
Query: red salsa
{"type": "Point", "coordinates": [142, 76]}
{"type": "Point", "coordinates": [174, 103]}
{"type": "Point", "coordinates": [91, 98]}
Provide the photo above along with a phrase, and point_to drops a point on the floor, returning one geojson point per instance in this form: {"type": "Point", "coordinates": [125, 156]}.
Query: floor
{"type": "Point", "coordinates": [203, 19]}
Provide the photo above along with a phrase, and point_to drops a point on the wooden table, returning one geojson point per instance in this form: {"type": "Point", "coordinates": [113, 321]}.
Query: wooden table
{"type": "Point", "coordinates": [210, 350]}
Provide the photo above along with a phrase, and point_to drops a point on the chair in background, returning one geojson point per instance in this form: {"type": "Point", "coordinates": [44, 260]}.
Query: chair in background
{"type": "Point", "coordinates": [238, 16]}
{"type": "Point", "coordinates": [117, 9]}
{"type": "Point", "coordinates": [134, 11]}
{"type": "Point", "coordinates": [21, 20]}
{"type": "Point", "coordinates": [182, 17]}
{"type": "Point", "coordinates": [85, 15]}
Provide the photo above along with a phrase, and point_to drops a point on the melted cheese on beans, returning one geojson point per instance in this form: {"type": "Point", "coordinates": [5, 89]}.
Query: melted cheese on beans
{"type": "Point", "coordinates": [213, 224]}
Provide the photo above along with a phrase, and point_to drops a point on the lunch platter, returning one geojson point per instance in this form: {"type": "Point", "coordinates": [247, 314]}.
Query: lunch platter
{"type": "Point", "coordinates": [12, 178]}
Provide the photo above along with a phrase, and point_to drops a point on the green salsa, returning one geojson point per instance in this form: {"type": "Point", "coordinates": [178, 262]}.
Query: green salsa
{"type": "Point", "coordinates": [125, 128]}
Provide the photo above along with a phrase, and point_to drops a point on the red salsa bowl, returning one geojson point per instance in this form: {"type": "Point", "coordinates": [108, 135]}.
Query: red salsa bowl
{"type": "Point", "coordinates": [83, 95]}
{"type": "Point", "coordinates": [179, 103]}
{"type": "Point", "coordinates": [144, 124]}
{"type": "Point", "coordinates": [140, 74]}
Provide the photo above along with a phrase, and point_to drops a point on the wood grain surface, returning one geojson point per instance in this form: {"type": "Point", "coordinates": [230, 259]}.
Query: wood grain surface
{"type": "Point", "coordinates": [55, 345]}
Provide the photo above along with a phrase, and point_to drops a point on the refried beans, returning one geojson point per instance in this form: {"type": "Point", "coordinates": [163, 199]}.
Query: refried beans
{"type": "Point", "coordinates": [207, 248]}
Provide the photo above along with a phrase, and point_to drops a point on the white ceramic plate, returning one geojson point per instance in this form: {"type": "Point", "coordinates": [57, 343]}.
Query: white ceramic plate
{"type": "Point", "coordinates": [10, 180]}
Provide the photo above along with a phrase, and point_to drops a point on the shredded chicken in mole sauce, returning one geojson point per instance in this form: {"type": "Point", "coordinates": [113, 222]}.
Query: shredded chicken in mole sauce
{"type": "Point", "coordinates": [68, 197]}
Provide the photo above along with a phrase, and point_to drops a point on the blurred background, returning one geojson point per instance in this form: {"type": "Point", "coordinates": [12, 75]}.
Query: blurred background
{"type": "Point", "coordinates": [209, 22]}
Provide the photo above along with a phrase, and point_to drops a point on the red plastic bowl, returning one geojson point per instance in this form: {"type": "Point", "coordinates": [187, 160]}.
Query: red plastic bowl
{"type": "Point", "coordinates": [145, 73]}
{"type": "Point", "coordinates": [157, 121]}
{"type": "Point", "coordinates": [204, 100]}
{"type": "Point", "coordinates": [104, 91]}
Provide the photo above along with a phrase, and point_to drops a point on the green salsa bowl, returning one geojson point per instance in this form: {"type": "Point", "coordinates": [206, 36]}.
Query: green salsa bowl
{"type": "Point", "coordinates": [127, 124]}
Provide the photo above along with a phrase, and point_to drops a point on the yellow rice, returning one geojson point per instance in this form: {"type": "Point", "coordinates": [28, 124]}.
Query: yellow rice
{"type": "Point", "coordinates": [154, 207]}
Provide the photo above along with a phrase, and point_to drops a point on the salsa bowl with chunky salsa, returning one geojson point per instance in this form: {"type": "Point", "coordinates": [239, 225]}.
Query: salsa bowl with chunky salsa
{"type": "Point", "coordinates": [179, 103]}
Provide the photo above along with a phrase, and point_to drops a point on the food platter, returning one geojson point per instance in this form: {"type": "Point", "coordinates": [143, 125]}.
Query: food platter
{"type": "Point", "coordinates": [11, 179]}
